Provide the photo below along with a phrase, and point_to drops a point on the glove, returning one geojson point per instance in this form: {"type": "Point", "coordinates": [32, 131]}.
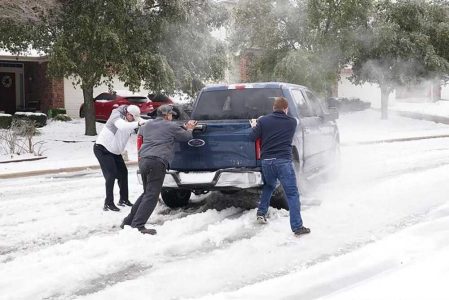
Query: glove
{"type": "Point", "coordinates": [190, 125]}
{"type": "Point", "coordinates": [142, 122]}
{"type": "Point", "coordinates": [253, 122]}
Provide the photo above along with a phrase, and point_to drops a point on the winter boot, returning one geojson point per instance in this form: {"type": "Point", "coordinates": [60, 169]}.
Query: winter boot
{"type": "Point", "coordinates": [147, 230]}
{"type": "Point", "coordinates": [302, 230]}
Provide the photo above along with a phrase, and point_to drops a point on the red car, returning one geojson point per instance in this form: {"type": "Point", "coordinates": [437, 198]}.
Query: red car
{"type": "Point", "coordinates": [160, 99]}
{"type": "Point", "coordinates": [107, 101]}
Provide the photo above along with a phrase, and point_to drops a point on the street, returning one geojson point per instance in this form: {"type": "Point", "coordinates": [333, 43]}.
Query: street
{"type": "Point", "coordinates": [56, 242]}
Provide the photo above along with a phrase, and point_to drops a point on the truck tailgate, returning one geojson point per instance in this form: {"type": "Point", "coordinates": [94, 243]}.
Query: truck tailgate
{"type": "Point", "coordinates": [219, 145]}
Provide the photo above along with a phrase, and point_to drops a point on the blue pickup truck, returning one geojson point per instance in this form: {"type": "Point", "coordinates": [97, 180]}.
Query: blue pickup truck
{"type": "Point", "coordinates": [221, 157]}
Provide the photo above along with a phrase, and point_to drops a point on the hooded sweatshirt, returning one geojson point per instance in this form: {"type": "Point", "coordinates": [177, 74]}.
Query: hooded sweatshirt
{"type": "Point", "coordinates": [116, 132]}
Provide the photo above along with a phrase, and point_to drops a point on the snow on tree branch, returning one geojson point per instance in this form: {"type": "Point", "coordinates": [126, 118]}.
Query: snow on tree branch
{"type": "Point", "coordinates": [25, 10]}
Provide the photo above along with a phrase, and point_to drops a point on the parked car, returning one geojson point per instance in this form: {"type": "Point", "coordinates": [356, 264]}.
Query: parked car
{"type": "Point", "coordinates": [343, 104]}
{"type": "Point", "coordinates": [221, 156]}
{"type": "Point", "coordinates": [107, 101]}
{"type": "Point", "coordinates": [158, 100]}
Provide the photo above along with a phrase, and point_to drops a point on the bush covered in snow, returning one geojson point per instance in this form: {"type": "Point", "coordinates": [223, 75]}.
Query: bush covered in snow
{"type": "Point", "coordinates": [5, 120]}
{"type": "Point", "coordinates": [39, 118]}
{"type": "Point", "coordinates": [62, 117]}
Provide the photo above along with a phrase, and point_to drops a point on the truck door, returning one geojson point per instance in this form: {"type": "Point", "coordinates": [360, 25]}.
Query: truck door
{"type": "Point", "coordinates": [310, 130]}
{"type": "Point", "coordinates": [326, 129]}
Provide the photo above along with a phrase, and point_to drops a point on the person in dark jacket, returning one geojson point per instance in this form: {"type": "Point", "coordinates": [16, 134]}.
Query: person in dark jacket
{"type": "Point", "coordinates": [276, 132]}
{"type": "Point", "coordinates": [108, 149]}
{"type": "Point", "coordinates": [156, 153]}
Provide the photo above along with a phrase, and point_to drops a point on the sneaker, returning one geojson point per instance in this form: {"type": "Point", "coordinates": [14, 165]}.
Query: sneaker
{"type": "Point", "coordinates": [111, 207]}
{"type": "Point", "coordinates": [302, 230]}
{"type": "Point", "coordinates": [261, 219]}
{"type": "Point", "coordinates": [125, 203]}
{"type": "Point", "coordinates": [147, 230]}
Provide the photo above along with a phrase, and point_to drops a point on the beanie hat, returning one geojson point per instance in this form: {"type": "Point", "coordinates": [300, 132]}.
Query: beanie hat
{"type": "Point", "coordinates": [134, 111]}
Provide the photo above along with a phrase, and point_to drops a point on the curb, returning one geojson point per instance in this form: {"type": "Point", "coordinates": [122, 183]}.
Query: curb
{"type": "Point", "coordinates": [420, 116]}
{"type": "Point", "coordinates": [417, 116]}
{"type": "Point", "coordinates": [408, 139]}
{"type": "Point", "coordinates": [53, 171]}
{"type": "Point", "coordinates": [22, 159]}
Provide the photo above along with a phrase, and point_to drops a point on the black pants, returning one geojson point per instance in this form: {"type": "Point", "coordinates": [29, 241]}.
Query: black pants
{"type": "Point", "coordinates": [113, 167]}
{"type": "Point", "coordinates": [153, 174]}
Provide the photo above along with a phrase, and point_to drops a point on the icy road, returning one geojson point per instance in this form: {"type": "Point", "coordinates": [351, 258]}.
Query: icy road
{"type": "Point", "coordinates": [57, 243]}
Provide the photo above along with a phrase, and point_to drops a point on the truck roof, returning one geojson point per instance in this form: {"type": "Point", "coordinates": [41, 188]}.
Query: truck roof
{"type": "Point", "coordinates": [218, 87]}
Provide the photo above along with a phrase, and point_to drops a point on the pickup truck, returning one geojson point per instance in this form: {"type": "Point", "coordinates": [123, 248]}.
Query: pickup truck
{"type": "Point", "coordinates": [221, 157]}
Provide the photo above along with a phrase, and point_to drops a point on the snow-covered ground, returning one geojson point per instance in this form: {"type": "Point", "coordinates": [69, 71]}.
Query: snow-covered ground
{"type": "Point", "coordinates": [379, 231]}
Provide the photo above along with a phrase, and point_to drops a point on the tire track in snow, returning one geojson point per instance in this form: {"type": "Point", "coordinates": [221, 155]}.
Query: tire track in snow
{"type": "Point", "coordinates": [36, 243]}
{"type": "Point", "coordinates": [164, 253]}
{"type": "Point", "coordinates": [170, 255]}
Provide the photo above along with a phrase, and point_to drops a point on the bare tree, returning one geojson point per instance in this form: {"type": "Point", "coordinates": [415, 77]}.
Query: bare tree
{"type": "Point", "coordinates": [24, 11]}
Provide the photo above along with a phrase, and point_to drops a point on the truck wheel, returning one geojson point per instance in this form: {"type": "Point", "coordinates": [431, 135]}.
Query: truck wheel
{"type": "Point", "coordinates": [175, 198]}
{"type": "Point", "coordinates": [278, 199]}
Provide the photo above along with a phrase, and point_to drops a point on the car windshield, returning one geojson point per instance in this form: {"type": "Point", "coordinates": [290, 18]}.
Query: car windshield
{"type": "Point", "coordinates": [229, 104]}
{"type": "Point", "coordinates": [137, 99]}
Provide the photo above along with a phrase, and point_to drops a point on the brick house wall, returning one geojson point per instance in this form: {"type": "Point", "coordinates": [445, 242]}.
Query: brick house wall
{"type": "Point", "coordinates": [41, 91]}
{"type": "Point", "coordinates": [244, 63]}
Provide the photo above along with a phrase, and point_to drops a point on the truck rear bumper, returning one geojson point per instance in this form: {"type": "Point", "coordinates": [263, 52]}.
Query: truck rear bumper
{"type": "Point", "coordinates": [216, 180]}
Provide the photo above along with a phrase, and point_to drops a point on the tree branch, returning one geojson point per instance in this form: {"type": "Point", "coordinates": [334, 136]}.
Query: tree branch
{"type": "Point", "coordinates": [24, 11]}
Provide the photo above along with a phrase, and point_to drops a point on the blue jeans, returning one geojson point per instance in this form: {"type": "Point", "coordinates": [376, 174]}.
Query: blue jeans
{"type": "Point", "coordinates": [282, 170]}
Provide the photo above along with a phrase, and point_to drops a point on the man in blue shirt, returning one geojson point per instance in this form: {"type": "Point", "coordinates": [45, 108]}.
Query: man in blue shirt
{"type": "Point", "coordinates": [276, 131]}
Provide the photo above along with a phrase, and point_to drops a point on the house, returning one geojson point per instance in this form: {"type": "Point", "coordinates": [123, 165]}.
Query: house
{"type": "Point", "coordinates": [25, 86]}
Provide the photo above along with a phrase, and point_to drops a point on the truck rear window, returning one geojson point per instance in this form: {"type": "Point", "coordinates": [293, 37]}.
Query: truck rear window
{"type": "Point", "coordinates": [229, 104]}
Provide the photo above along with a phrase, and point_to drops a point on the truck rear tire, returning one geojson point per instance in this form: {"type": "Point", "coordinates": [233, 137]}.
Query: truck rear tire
{"type": "Point", "coordinates": [279, 199]}
{"type": "Point", "coordinates": [175, 198]}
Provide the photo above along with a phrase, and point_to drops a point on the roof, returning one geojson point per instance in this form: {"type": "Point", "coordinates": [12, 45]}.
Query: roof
{"type": "Point", "coordinates": [259, 85]}
{"type": "Point", "coordinates": [28, 55]}
{"type": "Point", "coordinates": [126, 93]}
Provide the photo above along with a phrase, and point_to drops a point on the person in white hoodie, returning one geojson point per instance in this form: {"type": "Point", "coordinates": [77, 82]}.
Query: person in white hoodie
{"type": "Point", "coordinates": [108, 149]}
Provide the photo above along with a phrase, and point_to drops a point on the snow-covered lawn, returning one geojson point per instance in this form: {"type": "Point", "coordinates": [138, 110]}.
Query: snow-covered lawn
{"type": "Point", "coordinates": [380, 231]}
{"type": "Point", "coordinates": [65, 146]}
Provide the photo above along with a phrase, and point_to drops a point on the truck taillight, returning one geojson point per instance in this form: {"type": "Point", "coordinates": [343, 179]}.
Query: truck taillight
{"type": "Point", "coordinates": [258, 144]}
{"type": "Point", "coordinates": [139, 141]}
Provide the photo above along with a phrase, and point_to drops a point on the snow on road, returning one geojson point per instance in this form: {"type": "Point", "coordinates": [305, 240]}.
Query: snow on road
{"type": "Point", "coordinates": [378, 223]}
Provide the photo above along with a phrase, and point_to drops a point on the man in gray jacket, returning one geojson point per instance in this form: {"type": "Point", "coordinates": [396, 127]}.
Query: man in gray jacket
{"type": "Point", "coordinates": [159, 137]}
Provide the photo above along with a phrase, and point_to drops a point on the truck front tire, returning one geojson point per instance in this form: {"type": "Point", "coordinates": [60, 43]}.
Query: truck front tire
{"type": "Point", "coordinates": [175, 198]}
